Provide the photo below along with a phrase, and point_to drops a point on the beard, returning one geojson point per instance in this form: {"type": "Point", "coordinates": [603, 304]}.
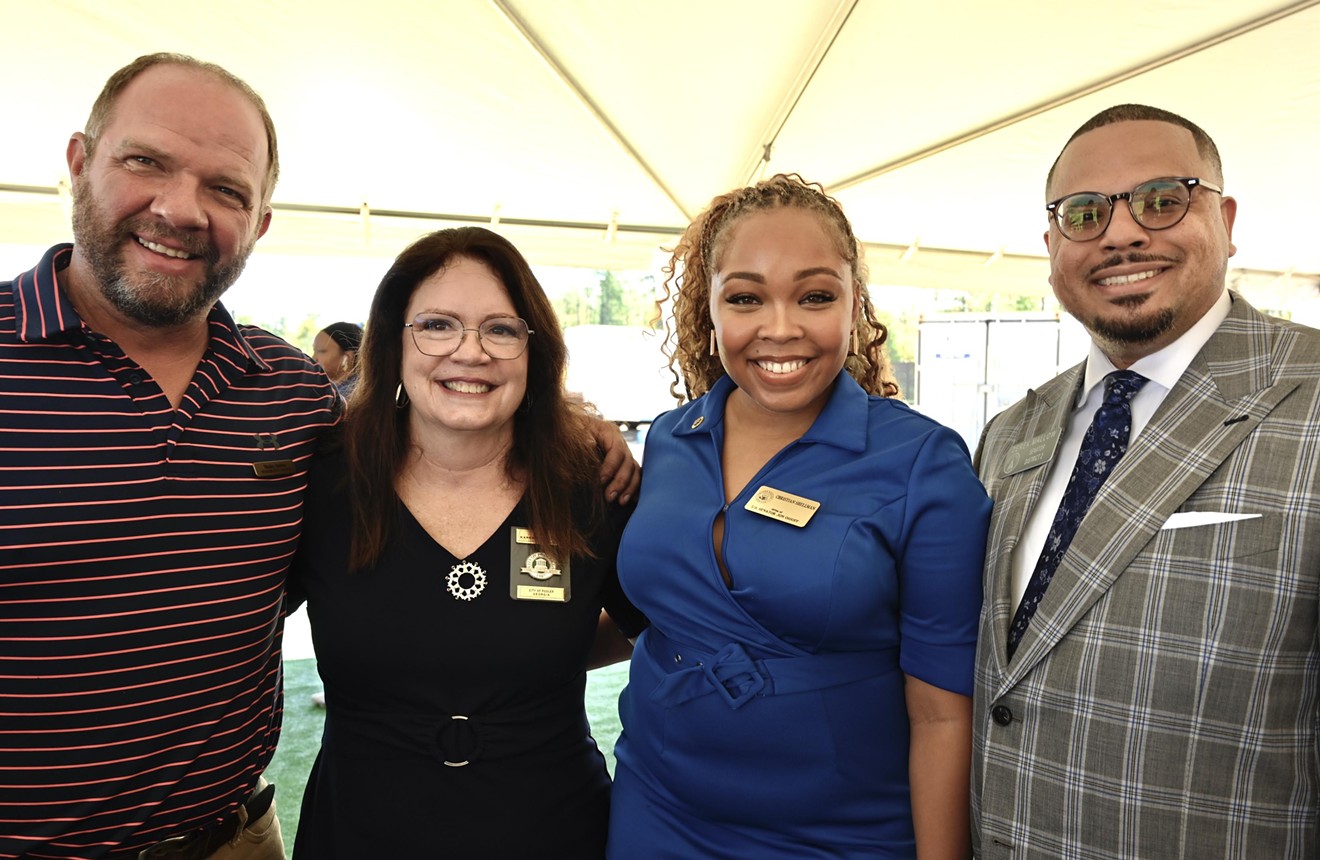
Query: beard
{"type": "Point", "coordinates": [1133, 328]}
{"type": "Point", "coordinates": [1130, 326]}
{"type": "Point", "coordinates": [149, 298]}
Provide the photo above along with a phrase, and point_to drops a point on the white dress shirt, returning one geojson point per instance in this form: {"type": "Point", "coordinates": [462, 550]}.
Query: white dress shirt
{"type": "Point", "coordinates": [1163, 369]}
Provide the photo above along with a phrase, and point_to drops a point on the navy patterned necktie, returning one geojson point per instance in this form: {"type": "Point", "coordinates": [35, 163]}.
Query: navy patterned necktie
{"type": "Point", "coordinates": [1104, 444]}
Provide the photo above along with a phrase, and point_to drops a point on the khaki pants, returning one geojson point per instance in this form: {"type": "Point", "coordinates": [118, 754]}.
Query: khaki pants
{"type": "Point", "coordinates": [256, 840]}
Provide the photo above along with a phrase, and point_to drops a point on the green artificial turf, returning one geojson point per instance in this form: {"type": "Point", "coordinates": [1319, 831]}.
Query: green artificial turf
{"type": "Point", "coordinates": [299, 741]}
{"type": "Point", "coordinates": [603, 686]}
{"type": "Point", "coordinates": [303, 721]}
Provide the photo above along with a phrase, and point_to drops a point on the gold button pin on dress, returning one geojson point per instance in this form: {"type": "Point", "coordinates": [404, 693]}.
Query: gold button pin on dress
{"type": "Point", "coordinates": [697, 423]}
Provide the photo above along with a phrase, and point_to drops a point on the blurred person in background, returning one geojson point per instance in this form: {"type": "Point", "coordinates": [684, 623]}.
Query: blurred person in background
{"type": "Point", "coordinates": [335, 348]}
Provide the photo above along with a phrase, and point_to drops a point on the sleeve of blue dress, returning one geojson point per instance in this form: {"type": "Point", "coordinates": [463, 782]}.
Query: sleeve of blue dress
{"type": "Point", "coordinates": [940, 558]}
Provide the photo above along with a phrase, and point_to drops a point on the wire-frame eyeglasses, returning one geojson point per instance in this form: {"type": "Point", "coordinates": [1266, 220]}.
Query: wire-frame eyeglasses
{"type": "Point", "coordinates": [440, 335]}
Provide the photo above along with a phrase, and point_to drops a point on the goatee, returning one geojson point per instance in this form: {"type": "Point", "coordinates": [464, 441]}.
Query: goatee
{"type": "Point", "coordinates": [1134, 329]}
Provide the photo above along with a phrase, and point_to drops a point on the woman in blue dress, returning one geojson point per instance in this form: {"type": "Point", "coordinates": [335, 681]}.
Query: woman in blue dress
{"type": "Point", "coordinates": [808, 551]}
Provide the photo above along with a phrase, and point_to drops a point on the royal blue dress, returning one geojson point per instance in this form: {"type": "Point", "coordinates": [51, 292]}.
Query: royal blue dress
{"type": "Point", "coordinates": [768, 719]}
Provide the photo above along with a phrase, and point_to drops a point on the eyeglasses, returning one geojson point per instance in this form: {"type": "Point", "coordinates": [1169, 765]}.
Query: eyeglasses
{"type": "Point", "coordinates": [441, 335]}
{"type": "Point", "coordinates": [1156, 205]}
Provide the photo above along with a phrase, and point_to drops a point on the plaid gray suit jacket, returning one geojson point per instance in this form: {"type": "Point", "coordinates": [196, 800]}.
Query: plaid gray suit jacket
{"type": "Point", "coordinates": [1163, 702]}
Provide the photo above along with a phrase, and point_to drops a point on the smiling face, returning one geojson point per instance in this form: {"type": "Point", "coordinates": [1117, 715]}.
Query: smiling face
{"type": "Point", "coordinates": [169, 203]}
{"type": "Point", "coordinates": [467, 391]}
{"type": "Point", "coordinates": [1137, 290]}
{"type": "Point", "coordinates": [782, 306]}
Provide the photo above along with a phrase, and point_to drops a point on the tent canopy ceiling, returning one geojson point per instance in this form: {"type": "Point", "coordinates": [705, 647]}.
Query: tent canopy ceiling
{"type": "Point", "coordinates": [592, 130]}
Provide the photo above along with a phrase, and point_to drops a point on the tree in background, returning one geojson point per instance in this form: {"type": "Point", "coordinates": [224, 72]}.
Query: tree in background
{"type": "Point", "coordinates": [901, 345]}
{"type": "Point", "coordinates": [611, 300]}
{"type": "Point", "coordinates": [613, 308]}
{"type": "Point", "coordinates": [300, 334]}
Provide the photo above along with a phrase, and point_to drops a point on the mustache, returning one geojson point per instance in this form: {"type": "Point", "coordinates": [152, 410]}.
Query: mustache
{"type": "Point", "coordinates": [154, 231]}
{"type": "Point", "coordinates": [1133, 257]}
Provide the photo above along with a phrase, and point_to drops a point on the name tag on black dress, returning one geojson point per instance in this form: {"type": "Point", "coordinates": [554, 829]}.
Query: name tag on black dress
{"type": "Point", "coordinates": [535, 573]}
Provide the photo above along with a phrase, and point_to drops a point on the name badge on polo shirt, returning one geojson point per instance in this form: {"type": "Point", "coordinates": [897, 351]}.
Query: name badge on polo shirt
{"type": "Point", "coordinates": [785, 507]}
{"type": "Point", "coordinates": [1034, 452]}
{"type": "Point", "coordinates": [271, 468]}
{"type": "Point", "coordinates": [535, 573]}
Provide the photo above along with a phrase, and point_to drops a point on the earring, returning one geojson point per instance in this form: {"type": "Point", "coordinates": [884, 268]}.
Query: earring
{"type": "Point", "coordinates": [855, 348]}
{"type": "Point", "coordinates": [714, 350]}
{"type": "Point", "coordinates": [401, 400]}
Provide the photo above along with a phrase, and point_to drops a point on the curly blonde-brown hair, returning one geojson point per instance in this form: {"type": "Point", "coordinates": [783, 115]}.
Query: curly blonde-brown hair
{"type": "Point", "coordinates": [694, 260]}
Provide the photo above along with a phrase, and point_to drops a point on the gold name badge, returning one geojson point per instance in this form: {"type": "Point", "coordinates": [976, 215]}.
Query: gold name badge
{"type": "Point", "coordinates": [273, 468]}
{"type": "Point", "coordinates": [535, 574]}
{"type": "Point", "coordinates": [785, 507]}
{"type": "Point", "coordinates": [540, 592]}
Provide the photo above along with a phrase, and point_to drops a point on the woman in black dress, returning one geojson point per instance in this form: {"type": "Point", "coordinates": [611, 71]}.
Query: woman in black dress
{"type": "Point", "coordinates": [456, 557]}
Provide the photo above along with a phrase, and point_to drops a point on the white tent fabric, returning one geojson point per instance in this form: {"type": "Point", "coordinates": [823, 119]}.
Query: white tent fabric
{"type": "Point", "coordinates": [590, 131]}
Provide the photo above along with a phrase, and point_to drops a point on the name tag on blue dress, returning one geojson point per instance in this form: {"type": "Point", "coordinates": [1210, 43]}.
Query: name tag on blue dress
{"type": "Point", "coordinates": [785, 507]}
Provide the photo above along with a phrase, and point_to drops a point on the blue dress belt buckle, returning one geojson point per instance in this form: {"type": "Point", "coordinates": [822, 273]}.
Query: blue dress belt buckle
{"type": "Point", "coordinates": [738, 678]}
{"type": "Point", "coordinates": [734, 669]}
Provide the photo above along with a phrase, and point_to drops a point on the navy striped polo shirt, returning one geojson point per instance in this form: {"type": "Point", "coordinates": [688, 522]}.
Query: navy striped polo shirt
{"type": "Point", "coordinates": [143, 552]}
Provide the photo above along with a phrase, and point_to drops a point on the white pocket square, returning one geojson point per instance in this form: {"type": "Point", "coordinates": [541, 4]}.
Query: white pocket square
{"type": "Point", "coordinates": [1187, 519]}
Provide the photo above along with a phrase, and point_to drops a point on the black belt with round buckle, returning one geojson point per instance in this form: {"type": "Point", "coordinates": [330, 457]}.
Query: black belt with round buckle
{"type": "Point", "coordinates": [204, 841]}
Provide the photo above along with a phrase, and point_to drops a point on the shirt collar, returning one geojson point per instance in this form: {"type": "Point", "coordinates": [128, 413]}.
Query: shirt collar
{"type": "Point", "coordinates": [842, 423]}
{"type": "Point", "coordinates": [1165, 367]}
{"type": "Point", "coordinates": [225, 330]}
{"type": "Point", "coordinates": [42, 311]}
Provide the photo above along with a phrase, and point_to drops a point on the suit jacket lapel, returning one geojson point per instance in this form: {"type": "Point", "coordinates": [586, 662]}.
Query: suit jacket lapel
{"type": "Point", "coordinates": [1225, 392]}
{"type": "Point", "coordinates": [1046, 410]}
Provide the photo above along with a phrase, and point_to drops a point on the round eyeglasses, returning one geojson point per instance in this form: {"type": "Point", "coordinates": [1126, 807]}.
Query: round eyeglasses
{"type": "Point", "coordinates": [440, 335]}
{"type": "Point", "coordinates": [1157, 204]}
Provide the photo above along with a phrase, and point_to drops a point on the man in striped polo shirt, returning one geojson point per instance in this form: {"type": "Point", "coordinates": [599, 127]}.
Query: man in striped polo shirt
{"type": "Point", "coordinates": [153, 456]}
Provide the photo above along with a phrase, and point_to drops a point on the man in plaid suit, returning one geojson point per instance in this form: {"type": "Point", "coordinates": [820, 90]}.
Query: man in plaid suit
{"type": "Point", "coordinates": [1162, 700]}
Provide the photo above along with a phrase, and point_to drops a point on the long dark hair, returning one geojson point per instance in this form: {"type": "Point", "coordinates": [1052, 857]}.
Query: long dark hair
{"type": "Point", "coordinates": [552, 446]}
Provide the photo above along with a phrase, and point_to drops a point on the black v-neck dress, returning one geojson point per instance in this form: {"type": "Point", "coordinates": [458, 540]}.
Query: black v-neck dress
{"type": "Point", "coordinates": [418, 681]}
